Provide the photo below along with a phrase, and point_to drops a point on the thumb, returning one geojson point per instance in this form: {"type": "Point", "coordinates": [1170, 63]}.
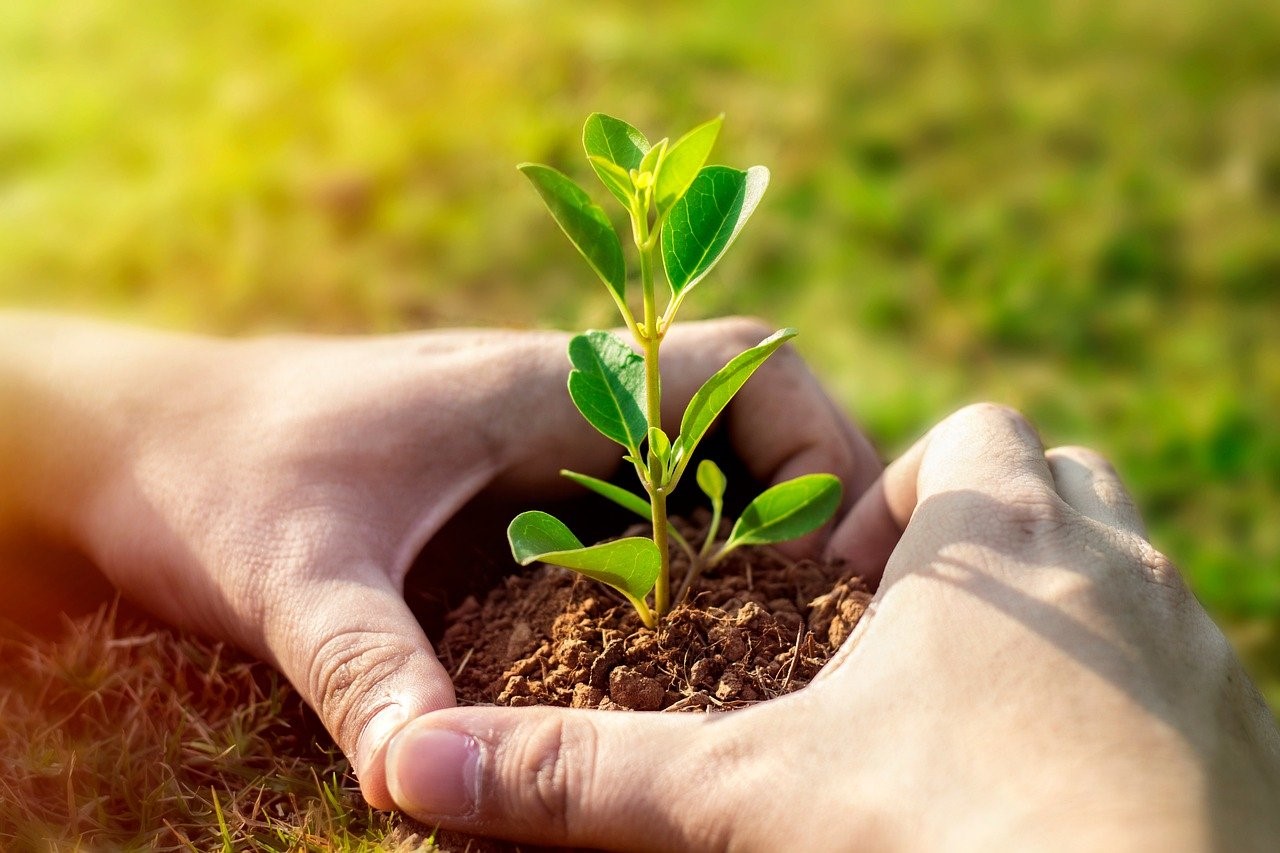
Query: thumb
{"type": "Point", "coordinates": [985, 457]}
{"type": "Point", "coordinates": [597, 779]}
{"type": "Point", "coordinates": [359, 658]}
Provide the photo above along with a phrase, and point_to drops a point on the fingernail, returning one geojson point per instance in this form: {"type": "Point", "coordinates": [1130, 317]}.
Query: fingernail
{"type": "Point", "coordinates": [376, 733]}
{"type": "Point", "coordinates": [434, 771]}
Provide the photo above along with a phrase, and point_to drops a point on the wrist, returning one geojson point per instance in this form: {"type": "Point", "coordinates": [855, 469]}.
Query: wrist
{"type": "Point", "coordinates": [81, 398]}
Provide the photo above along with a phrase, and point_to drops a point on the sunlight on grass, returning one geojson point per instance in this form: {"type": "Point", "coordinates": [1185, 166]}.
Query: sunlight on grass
{"type": "Point", "coordinates": [1073, 208]}
{"type": "Point", "coordinates": [122, 736]}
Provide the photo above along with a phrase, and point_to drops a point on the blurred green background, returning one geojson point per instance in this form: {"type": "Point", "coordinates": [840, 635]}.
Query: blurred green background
{"type": "Point", "coordinates": [1070, 207]}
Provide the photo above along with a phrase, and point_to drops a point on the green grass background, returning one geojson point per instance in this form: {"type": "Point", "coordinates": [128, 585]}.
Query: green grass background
{"type": "Point", "coordinates": [1071, 207]}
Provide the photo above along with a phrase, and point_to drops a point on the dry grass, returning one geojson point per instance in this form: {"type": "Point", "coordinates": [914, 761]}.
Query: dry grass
{"type": "Point", "coordinates": [1070, 207]}
{"type": "Point", "coordinates": [121, 734]}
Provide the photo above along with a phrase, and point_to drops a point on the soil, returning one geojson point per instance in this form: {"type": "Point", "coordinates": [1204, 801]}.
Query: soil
{"type": "Point", "coordinates": [755, 628]}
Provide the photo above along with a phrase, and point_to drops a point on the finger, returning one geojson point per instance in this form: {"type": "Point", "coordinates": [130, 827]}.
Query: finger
{"type": "Point", "coordinates": [549, 775]}
{"type": "Point", "coordinates": [500, 396]}
{"type": "Point", "coordinates": [987, 452]}
{"type": "Point", "coordinates": [865, 538]}
{"type": "Point", "coordinates": [359, 658]}
{"type": "Point", "coordinates": [782, 423]}
{"type": "Point", "coordinates": [1088, 482]}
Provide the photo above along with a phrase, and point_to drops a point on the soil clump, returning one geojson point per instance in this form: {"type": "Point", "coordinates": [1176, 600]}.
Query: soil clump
{"type": "Point", "coordinates": [756, 627]}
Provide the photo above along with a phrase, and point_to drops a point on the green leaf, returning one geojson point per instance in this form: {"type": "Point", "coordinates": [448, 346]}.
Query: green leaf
{"type": "Point", "coordinates": [607, 386]}
{"type": "Point", "coordinates": [703, 223]}
{"type": "Point", "coordinates": [659, 445]}
{"type": "Point", "coordinates": [717, 391]}
{"type": "Point", "coordinates": [616, 141]}
{"type": "Point", "coordinates": [583, 222]}
{"type": "Point", "coordinates": [617, 494]}
{"type": "Point", "coordinates": [711, 480]}
{"type": "Point", "coordinates": [683, 162]}
{"type": "Point", "coordinates": [533, 534]}
{"type": "Point", "coordinates": [616, 178]}
{"type": "Point", "coordinates": [629, 565]}
{"type": "Point", "coordinates": [787, 511]}
{"type": "Point", "coordinates": [653, 157]}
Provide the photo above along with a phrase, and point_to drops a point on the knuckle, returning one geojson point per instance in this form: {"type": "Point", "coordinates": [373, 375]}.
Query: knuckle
{"type": "Point", "coordinates": [345, 670]}
{"type": "Point", "coordinates": [988, 412]}
{"type": "Point", "coordinates": [1095, 472]}
{"type": "Point", "coordinates": [1110, 561]}
{"type": "Point", "coordinates": [1027, 519]}
{"type": "Point", "coordinates": [1086, 456]}
{"type": "Point", "coordinates": [1032, 514]}
{"type": "Point", "coordinates": [743, 331]}
{"type": "Point", "coordinates": [1110, 492]}
{"type": "Point", "coordinates": [548, 769]}
{"type": "Point", "coordinates": [1156, 569]}
{"type": "Point", "coordinates": [732, 335]}
{"type": "Point", "coordinates": [839, 458]}
{"type": "Point", "coordinates": [986, 425]}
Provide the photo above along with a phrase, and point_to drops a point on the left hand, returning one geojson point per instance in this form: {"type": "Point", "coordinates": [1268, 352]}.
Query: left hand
{"type": "Point", "coordinates": [275, 492]}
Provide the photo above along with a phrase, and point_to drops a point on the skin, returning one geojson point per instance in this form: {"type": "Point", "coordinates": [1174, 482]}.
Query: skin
{"type": "Point", "coordinates": [1031, 674]}
{"type": "Point", "coordinates": [274, 492]}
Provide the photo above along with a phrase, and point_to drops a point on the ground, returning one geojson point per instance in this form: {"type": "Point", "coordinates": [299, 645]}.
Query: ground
{"type": "Point", "coordinates": [1070, 207]}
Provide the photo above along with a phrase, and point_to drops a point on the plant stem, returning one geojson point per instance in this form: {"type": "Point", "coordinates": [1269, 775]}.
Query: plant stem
{"type": "Point", "coordinates": [719, 555]}
{"type": "Point", "coordinates": [652, 340]}
{"type": "Point", "coordinates": [647, 616]}
{"type": "Point", "coordinates": [699, 565]}
{"type": "Point", "coordinates": [661, 590]}
{"type": "Point", "coordinates": [717, 507]}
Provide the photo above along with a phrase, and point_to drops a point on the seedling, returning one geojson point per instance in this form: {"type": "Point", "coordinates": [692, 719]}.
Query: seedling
{"type": "Point", "coordinates": [690, 213]}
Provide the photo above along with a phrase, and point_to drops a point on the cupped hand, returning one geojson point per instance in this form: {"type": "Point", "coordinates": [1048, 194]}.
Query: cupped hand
{"type": "Point", "coordinates": [1031, 673]}
{"type": "Point", "coordinates": [275, 492]}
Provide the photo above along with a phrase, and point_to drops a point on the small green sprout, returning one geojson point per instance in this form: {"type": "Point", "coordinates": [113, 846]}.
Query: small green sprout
{"type": "Point", "coordinates": [688, 213]}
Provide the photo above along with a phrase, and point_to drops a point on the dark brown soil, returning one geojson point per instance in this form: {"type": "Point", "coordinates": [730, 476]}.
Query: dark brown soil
{"type": "Point", "coordinates": [757, 627]}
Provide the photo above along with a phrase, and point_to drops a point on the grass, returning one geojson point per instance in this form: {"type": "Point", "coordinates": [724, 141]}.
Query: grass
{"type": "Point", "coordinates": [1071, 207]}
{"type": "Point", "coordinates": [126, 735]}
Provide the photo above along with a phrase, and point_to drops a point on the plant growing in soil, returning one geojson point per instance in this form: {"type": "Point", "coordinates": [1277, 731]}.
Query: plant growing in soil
{"type": "Point", "coordinates": [689, 213]}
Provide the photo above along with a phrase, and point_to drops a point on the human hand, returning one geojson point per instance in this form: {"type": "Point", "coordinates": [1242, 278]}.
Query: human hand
{"type": "Point", "coordinates": [1030, 673]}
{"type": "Point", "coordinates": [275, 492]}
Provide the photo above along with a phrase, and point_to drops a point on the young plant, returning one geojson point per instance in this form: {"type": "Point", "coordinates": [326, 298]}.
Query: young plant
{"type": "Point", "coordinates": [688, 213]}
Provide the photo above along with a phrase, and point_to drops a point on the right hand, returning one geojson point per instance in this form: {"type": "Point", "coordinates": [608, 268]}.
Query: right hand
{"type": "Point", "coordinates": [1030, 673]}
